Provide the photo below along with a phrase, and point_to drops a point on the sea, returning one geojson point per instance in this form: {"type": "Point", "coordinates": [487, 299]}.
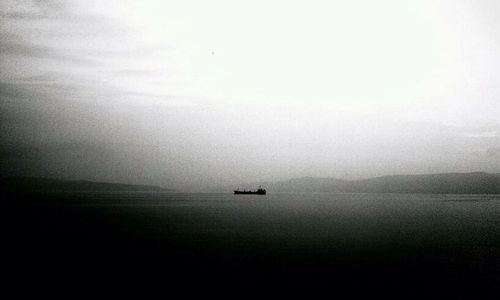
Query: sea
{"type": "Point", "coordinates": [404, 243]}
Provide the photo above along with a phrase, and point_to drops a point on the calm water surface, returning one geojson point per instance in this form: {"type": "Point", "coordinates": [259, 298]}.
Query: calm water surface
{"type": "Point", "coordinates": [317, 222]}
{"type": "Point", "coordinates": [403, 243]}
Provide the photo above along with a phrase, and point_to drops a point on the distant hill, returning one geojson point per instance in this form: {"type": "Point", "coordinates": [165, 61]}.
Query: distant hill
{"type": "Point", "coordinates": [447, 183]}
{"type": "Point", "coordinates": [28, 184]}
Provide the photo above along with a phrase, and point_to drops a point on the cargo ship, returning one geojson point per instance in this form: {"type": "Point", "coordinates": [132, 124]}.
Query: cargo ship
{"type": "Point", "coordinates": [260, 191]}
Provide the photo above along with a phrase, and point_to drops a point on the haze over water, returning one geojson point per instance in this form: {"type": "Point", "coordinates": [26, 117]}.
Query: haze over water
{"type": "Point", "coordinates": [206, 95]}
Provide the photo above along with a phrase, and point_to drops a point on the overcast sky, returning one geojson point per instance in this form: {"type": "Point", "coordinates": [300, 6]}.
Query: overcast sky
{"type": "Point", "coordinates": [187, 94]}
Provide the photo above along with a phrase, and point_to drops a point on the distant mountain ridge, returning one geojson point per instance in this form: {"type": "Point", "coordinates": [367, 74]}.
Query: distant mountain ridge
{"type": "Point", "coordinates": [50, 184]}
{"type": "Point", "coordinates": [444, 183]}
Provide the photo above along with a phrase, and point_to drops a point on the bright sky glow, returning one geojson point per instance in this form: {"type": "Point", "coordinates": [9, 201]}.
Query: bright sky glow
{"type": "Point", "coordinates": [188, 93]}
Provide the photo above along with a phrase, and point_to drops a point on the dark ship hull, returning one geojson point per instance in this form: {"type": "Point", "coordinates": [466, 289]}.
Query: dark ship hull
{"type": "Point", "coordinates": [258, 192]}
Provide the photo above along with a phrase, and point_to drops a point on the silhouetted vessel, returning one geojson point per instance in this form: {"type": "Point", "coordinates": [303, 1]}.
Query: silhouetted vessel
{"type": "Point", "coordinates": [260, 191]}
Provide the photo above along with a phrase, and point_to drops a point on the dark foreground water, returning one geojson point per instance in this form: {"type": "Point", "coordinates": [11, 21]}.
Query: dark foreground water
{"type": "Point", "coordinates": [395, 244]}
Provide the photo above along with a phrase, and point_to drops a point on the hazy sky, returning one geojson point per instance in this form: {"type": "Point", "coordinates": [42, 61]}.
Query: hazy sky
{"type": "Point", "coordinates": [186, 94]}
